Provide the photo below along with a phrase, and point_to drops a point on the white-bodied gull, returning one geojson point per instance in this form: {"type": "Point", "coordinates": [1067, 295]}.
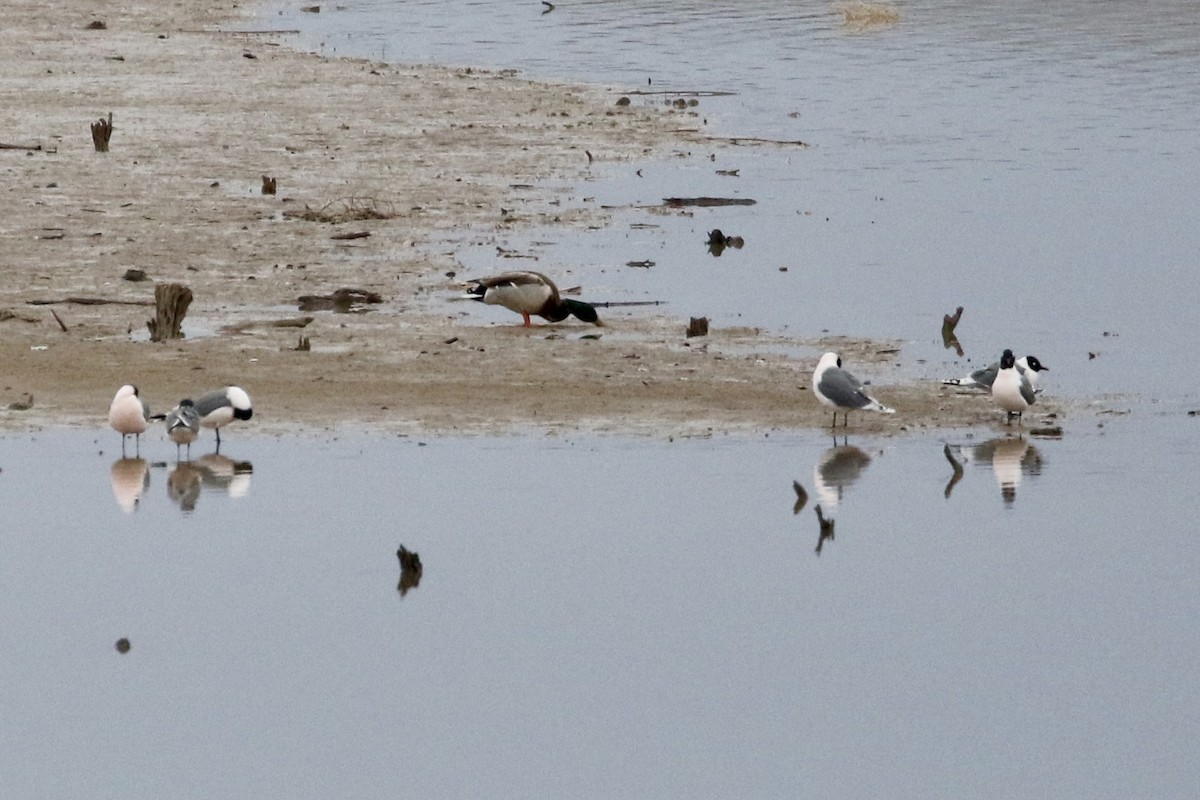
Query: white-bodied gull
{"type": "Point", "coordinates": [837, 388]}
{"type": "Point", "coordinates": [219, 408]}
{"type": "Point", "coordinates": [183, 425]}
{"type": "Point", "coordinates": [982, 378]}
{"type": "Point", "coordinates": [1012, 390]}
{"type": "Point", "coordinates": [128, 414]}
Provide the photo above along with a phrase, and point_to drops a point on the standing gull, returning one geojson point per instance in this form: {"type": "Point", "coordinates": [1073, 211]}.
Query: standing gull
{"type": "Point", "coordinates": [128, 414]}
{"type": "Point", "coordinates": [837, 388]}
{"type": "Point", "coordinates": [1011, 389]}
{"type": "Point", "coordinates": [527, 292]}
{"type": "Point", "coordinates": [219, 408]}
{"type": "Point", "coordinates": [982, 378]}
{"type": "Point", "coordinates": [183, 425]}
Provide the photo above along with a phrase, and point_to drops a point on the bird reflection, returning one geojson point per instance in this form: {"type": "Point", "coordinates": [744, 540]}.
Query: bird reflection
{"type": "Point", "coordinates": [1010, 457]}
{"type": "Point", "coordinates": [840, 466]}
{"type": "Point", "coordinates": [410, 570]}
{"type": "Point", "coordinates": [212, 472]}
{"type": "Point", "coordinates": [183, 485]}
{"type": "Point", "coordinates": [225, 474]}
{"type": "Point", "coordinates": [130, 477]}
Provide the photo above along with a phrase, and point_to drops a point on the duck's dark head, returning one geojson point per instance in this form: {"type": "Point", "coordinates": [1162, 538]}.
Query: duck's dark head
{"type": "Point", "coordinates": [1007, 361]}
{"type": "Point", "coordinates": [583, 311]}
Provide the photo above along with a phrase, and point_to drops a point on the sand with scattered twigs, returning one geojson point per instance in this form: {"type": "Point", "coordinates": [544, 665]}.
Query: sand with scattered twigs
{"type": "Point", "coordinates": [421, 159]}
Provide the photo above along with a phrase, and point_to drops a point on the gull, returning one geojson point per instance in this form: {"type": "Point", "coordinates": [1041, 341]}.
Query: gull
{"type": "Point", "coordinates": [982, 378]}
{"type": "Point", "coordinates": [527, 292]}
{"type": "Point", "coordinates": [128, 414]}
{"type": "Point", "coordinates": [837, 388]}
{"type": "Point", "coordinates": [1012, 390]}
{"type": "Point", "coordinates": [183, 425]}
{"type": "Point", "coordinates": [219, 408]}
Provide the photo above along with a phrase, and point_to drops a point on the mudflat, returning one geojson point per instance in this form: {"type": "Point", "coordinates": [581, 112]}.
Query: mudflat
{"type": "Point", "coordinates": [382, 171]}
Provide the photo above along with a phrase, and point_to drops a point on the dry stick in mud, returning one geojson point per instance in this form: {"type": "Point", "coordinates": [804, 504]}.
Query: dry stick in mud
{"type": "Point", "coordinates": [171, 301]}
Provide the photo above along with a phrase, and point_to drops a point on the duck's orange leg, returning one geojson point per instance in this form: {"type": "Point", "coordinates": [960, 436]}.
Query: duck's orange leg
{"type": "Point", "coordinates": [528, 323]}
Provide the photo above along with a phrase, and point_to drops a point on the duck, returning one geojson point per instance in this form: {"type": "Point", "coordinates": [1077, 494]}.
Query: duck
{"type": "Point", "coordinates": [221, 407]}
{"type": "Point", "coordinates": [530, 293]}
{"type": "Point", "coordinates": [837, 388]}
{"type": "Point", "coordinates": [183, 425]}
{"type": "Point", "coordinates": [128, 414]}
{"type": "Point", "coordinates": [1012, 390]}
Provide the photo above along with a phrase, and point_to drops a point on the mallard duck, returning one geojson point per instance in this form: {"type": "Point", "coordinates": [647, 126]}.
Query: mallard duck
{"type": "Point", "coordinates": [836, 387]}
{"type": "Point", "coordinates": [526, 293]}
{"type": "Point", "coordinates": [222, 407]}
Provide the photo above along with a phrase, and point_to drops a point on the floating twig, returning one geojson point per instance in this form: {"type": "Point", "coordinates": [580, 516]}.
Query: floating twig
{"type": "Point", "coordinates": [706, 202]}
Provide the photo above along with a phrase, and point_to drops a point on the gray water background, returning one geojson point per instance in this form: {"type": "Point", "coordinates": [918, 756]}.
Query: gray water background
{"type": "Point", "coordinates": [611, 617]}
{"type": "Point", "coordinates": [602, 618]}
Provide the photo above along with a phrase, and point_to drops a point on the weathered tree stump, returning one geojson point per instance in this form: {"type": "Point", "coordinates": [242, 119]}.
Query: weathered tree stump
{"type": "Point", "coordinates": [697, 326]}
{"type": "Point", "coordinates": [101, 131]}
{"type": "Point", "coordinates": [268, 185]}
{"type": "Point", "coordinates": [171, 301]}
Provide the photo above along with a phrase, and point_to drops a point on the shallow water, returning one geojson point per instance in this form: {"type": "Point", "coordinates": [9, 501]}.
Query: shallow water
{"type": "Point", "coordinates": [602, 618]}
{"type": "Point", "coordinates": [1035, 163]}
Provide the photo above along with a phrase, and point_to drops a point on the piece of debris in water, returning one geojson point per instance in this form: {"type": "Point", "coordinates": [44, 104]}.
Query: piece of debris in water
{"type": "Point", "coordinates": [410, 570]}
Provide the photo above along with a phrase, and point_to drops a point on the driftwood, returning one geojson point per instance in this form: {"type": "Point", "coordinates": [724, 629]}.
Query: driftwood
{"type": "Point", "coordinates": [58, 319]}
{"type": "Point", "coordinates": [101, 132]}
{"type": "Point", "coordinates": [171, 301]}
{"type": "Point", "coordinates": [826, 533]}
{"type": "Point", "coordinates": [7, 146]}
{"type": "Point", "coordinates": [697, 326]}
{"type": "Point", "coordinates": [344, 237]}
{"type": "Point", "coordinates": [949, 338]}
{"type": "Point", "coordinates": [244, 327]}
{"type": "Point", "coordinates": [958, 470]}
{"type": "Point", "coordinates": [801, 497]}
{"type": "Point", "coordinates": [342, 301]}
{"type": "Point", "coordinates": [268, 185]}
{"type": "Point", "coordinates": [758, 140]}
{"type": "Point", "coordinates": [679, 202]}
{"type": "Point", "coordinates": [90, 301]}
{"type": "Point", "coordinates": [618, 303]}
{"type": "Point", "coordinates": [410, 570]}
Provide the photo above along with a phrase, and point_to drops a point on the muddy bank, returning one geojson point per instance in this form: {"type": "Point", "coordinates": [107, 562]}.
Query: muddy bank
{"type": "Point", "coordinates": [421, 160]}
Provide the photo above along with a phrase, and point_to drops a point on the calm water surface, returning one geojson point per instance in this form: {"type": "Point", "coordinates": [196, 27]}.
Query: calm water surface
{"type": "Point", "coordinates": [602, 618]}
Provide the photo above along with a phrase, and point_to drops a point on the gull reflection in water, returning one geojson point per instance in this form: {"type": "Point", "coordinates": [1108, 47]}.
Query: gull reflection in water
{"type": "Point", "coordinates": [183, 485]}
{"type": "Point", "coordinates": [226, 474]}
{"type": "Point", "coordinates": [1010, 457]}
{"type": "Point", "coordinates": [130, 477]}
{"type": "Point", "coordinates": [213, 472]}
{"type": "Point", "coordinates": [838, 469]}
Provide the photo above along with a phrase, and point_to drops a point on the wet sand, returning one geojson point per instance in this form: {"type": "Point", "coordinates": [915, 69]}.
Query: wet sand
{"type": "Point", "coordinates": [428, 159]}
